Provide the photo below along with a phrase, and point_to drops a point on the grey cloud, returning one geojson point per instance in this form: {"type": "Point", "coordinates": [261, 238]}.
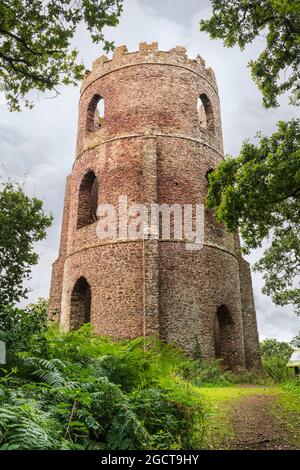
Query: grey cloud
{"type": "Point", "coordinates": [275, 322]}
{"type": "Point", "coordinates": [181, 11]}
{"type": "Point", "coordinates": [10, 135]}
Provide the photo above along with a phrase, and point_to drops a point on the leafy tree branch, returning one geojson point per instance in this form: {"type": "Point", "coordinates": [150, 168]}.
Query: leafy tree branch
{"type": "Point", "coordinates": [35, 38]}
{"type": "Point", "coordinates": [23, 222]}
{"type": "Point", "coordinates": [259, 193]}
{"type": "Point", "coordinates": [277, 69]}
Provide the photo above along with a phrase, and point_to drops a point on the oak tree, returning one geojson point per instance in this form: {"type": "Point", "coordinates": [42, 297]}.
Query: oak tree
{"type": "Point", "coordinates": [277, 24]}
{"type": "Point", "coordinates": [23, 222]}
{"type": "Point", "coordinates": [35, 43]}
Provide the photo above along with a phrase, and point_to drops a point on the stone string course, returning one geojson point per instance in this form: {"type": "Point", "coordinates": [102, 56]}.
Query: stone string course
{"type": "Point", "coordinates": [152, 149]}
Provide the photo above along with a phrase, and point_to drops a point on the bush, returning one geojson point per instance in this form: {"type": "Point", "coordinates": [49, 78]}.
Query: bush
{"type": "Point", "coordinates": [202, 373]}
{"type": "Point", "coordinates": [275, 355]}
{"type": "Point", "coordinates": [20, 327]}
{"type": "Point", "coordinates": [276, 368]}
{"type": "Point", "coordinates": [81, 391]}
{"type": "Point", "coordinates": [270, 348]}
{"type": "Point", "coordinates": [255, 377]}
{"type": "Point", "coordinates": [293, 385]}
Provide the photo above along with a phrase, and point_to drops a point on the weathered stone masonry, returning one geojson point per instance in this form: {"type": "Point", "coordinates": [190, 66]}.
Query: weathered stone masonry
{"type": "Point", "coordinates": [155, 143]}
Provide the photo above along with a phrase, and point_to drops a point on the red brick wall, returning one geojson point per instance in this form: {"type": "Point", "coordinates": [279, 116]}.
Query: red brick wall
{"type": "Point", "coordinates": [151, 148]}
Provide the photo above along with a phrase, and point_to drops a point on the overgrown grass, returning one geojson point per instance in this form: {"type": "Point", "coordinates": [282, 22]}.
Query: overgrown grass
{"type": "Point", "coordinates": [276, 368]}
{"type": "Point", "coordinates": [287, 407]}
{"type": "Point", "coordinates": [217, 401]}
{"type": "Point", "coordinates": [275, 355]}
{"type": "Point", "coordinates": [81, 391]}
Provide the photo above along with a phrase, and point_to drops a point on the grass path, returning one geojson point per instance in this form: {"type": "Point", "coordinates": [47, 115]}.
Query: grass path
{"type": "Point", "coordinates": [251, 417]}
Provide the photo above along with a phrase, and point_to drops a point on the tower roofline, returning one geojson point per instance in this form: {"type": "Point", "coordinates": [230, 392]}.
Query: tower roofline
{"type": "Point", "coordinates": [148, 54]}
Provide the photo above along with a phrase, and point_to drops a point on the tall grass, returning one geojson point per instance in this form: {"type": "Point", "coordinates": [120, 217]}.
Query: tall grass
{"type": "Point", "coordinates": [81, 391]}
{"type": "Point", "coordinates": [275, 355]}
{"type": "Point", "coordinates": [276, 368]}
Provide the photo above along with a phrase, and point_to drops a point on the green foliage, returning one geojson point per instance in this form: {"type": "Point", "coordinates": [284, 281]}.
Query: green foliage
{"type": "Point", "coordinates": [293, 385]}
{"type": "Point", "coordinates": [288, 409]}
{"type": "Point", "coordinates": [212, 374]}
{"type": "Point", "coordinates": [21, 327]}
{"type": "Point", "coordinates": [27, 427]}
{"type": "Point", "coordinates": [253, 377]}
{"type": "Point", "coordinates": [273, 348]}
{"type": "Point", "coordinates": [203, 374]}
{"type": "Point", "coordinates": [275, 355]}
{"type": "Point", "coordinates": [197, 349]}
{"type": "Point", "coordinates": [35, 38]}
{"type": "Point", "coordinates": [22, 224]}
{"type": "Point", "coordinates": [296, 341]}
{"type": "Point", "coordinates": [81, 391]}
{"type": "Point", "coordinates": [276, 368]}
{"type": "Point", "coordinates": [259, 193]}
{"type": "Point", "coordinates": [277, 24]}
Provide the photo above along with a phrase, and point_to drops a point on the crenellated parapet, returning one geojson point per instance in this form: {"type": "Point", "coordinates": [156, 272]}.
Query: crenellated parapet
{"type": "Point", "coordinates": [149, 92]}
{"type": "Point", "coordinates": [149, 54]}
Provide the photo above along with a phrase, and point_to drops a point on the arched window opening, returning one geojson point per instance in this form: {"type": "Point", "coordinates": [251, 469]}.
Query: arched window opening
{"type": "Point", "coordinates": [87, 200]}
{"type": "Point", "coordinates": [205, 113]}
{"type": "Point", "coordinates": [95, 113]}
{"type": "Point", "coordinates": [223, 335]}
{"type": "Point", "coordinates": [80, 312]}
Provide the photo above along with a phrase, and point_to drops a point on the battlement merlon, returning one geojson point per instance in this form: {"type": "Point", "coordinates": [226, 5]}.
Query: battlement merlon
{"type": "Point", "coordinates": [148, 54]}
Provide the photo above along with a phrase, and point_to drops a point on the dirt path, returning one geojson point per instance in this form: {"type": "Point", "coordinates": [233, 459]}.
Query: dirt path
{"type": "Point", "coordinates": [255, 427]}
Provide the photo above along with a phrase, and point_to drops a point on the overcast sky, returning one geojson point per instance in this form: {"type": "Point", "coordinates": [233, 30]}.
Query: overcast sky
{"type": "Point", "coordinates": [38, 146]}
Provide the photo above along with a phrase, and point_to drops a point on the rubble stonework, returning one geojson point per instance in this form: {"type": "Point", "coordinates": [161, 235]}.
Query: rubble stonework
{"type": "Point", "coordinates": [152, 147]}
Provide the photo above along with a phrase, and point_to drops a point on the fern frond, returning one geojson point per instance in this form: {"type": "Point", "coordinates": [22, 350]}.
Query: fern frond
{"type": "Point", "coordinates": [51, 377]}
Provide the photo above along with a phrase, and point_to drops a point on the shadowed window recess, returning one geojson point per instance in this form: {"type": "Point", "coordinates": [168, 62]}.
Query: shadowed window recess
{"type": "Point", "coordinates": [205, 113]}
{"type": "Point", "coordinates": [87, 200]}
{"type": "Point", "coordinates": [95, 113]}
{"type": "Point", "coordinates": [80, 304]}
{"type": "Point", "coordinates": [224, 336]}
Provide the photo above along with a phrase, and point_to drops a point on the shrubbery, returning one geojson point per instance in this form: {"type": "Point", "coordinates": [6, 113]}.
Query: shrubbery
{"type": "Point", "coordinates": [81, 391]}
{"type": "Point", "coordinates": [275, 355]}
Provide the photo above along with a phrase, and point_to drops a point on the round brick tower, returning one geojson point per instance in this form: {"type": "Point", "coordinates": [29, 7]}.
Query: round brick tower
{"type": "Point", "coordinates": [155, 141]}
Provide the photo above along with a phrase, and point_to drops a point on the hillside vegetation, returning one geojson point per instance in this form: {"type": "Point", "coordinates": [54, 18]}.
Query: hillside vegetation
{"type": "Point", "coordinates": [81, 391]}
